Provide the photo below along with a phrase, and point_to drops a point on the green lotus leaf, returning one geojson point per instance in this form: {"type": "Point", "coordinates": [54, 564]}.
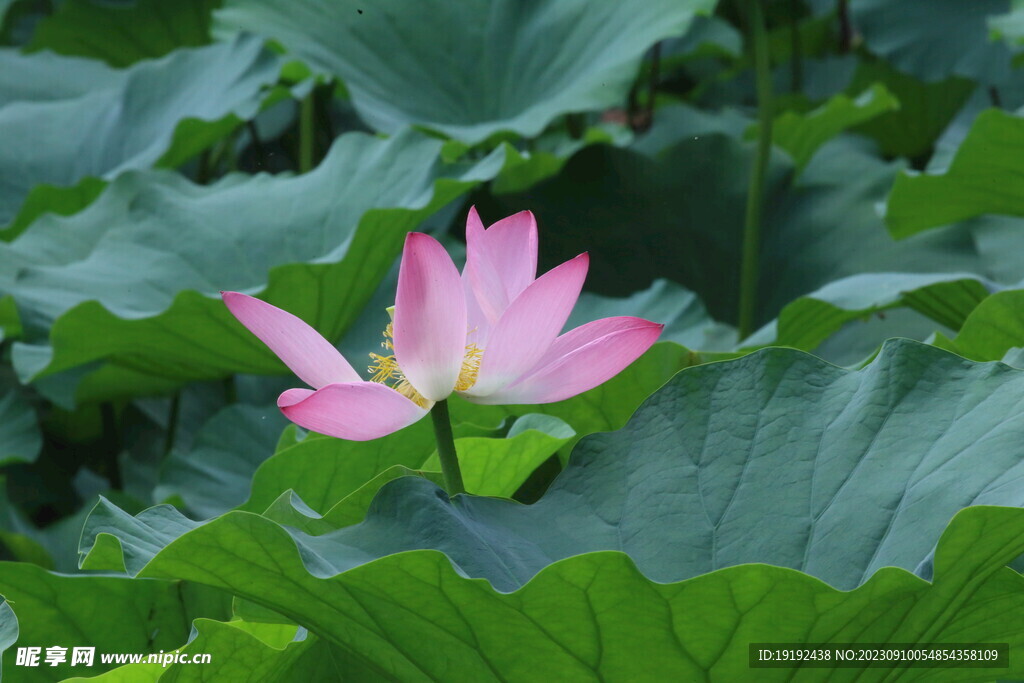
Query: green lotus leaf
{"type": "Point", "coordinates": [130, 115]}
{"type": "Point", "coordinates": [992, 329]}
{"type": "Point", "coordinates": [936, 39]}
{"type": "Point", "coordinates": [264, 652]}
{"type": "Point", "coordinates": [492, 67]}
{"type": "Point", "coordinates": [849, 476]}
{"type": "Point", "coordinates": [411, 616]}
{"type": "Point", "coordinates": [983, 178]}
{"type": "Point", "coordinates": [112, 614]}
{"type": "Point", "coordinates": [946, 299]}
{"type": "Point", "coordinates": [680, 216]}
{"type": "Point", "coordinates": [213, 475]}
{"type": "Point", "coordinates": [812, 467]}
{"type": "Point", "coordinates": [925, 113]}
{"type": "Point", "coordinates": [123, 34]}
{"type": "Point", "coordinates": [20, 439]}
{"type": "Point", "coordinates": [802, 134]}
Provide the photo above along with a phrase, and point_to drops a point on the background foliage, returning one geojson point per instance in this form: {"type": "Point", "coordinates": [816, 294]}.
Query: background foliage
{"type": "Point", "coordinates": [728, 487]}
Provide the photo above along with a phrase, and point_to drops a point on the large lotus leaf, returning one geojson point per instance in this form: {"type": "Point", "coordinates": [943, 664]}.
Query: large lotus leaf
{"type": "Point", "coordinates": [111, 614]}
{"type": "Point", "coordinates": [137, 288]}
{"type": "Point", "coordinates": [808, 321]}
{"type": "Point", "coordinates": [77, 120]}
{"type": "Point", "coordinates": [123, 34]}
{"type": "Point", "coordinates": [680, 216]}
{"type": "Point", "coordinates": [489, 66]}
{"type": "Point", "coordinates": [776, 457]}
{"type": "Point", "coordinates": [243, 651]}
{"type": "Point", "coordinates": [412, 617]}
{"type": "Point", "coordinates": [933, 40]}
{"type": "Point", "coordinates": [983, 178]}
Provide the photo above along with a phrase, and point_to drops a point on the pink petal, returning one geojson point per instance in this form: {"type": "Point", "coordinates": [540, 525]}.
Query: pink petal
{"type": "Point", "coordinates": [310, 356]}
{"type": "Point", "coordinates": [501, 261]}
{"type": "Point", "coordinates": [529, 326]}
{"type": "Point", "coordinates": [430, 317]}
{"type": "Point", "coordinates": [293, 396]}
{"type": "Point", "coordinates": [477, 324]}
{"type": "Point", "coordinates": [357, 411]}
{"type": "Point", "coordinates": [580, 360]}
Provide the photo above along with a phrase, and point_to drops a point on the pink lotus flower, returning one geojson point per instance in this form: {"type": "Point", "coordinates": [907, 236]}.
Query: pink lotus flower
{"type": "Point", "coordinates": [491, 335]}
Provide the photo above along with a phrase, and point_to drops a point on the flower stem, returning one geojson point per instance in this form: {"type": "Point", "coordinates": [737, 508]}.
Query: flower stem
{"type": "Point", "coordinates": [755, 191]}
{"type": "Point", "coordinates": [446, 448]}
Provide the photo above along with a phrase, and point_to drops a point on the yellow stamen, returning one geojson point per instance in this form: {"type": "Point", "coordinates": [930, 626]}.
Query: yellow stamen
{"type": "Point", "coordinates": [385, 370]}
{"type": "Point", "coordinates": [470, 367]}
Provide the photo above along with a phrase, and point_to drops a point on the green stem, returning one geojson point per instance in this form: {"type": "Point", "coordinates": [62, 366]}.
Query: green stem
{"type": "Point", "coordinates": [755, 193]}
{"type": "Point", "coordinates": [306, 131]}
{"type": "Point", "coordinates": [446, 449]}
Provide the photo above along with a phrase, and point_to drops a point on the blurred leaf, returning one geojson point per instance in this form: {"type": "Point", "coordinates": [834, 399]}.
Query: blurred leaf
{"type": "Point", "coordinates": [123, 34]}
{"type": "Point", "coordinates": [925, 110]}
{"type": "Point", "coordinates": [548, 153]}
{"type": "Point", "coordinates": [122, 119]}
{"type": "Point", "coordinates": [20, 439]}
{"type": "Point", "coordinates": [936, 39]}
{"type": "Point", "coordinates": [948, 299]}
{"type": "Point", "coordinates": [136, 290]}
{"type": "Point", "coordinates": [680, 216]}
{"type": "Point", "coordinates": [709, 36]}
{"type": "Point", "coordinates": [492, 66]}
{"type": "Point", "coordinates": [686, 320]}
{"type": "Point", "coordinates": [675, 123]}
{"type": "Point", "coordinates": [984, 177]}
{"type": "Point", "coordinates": [214, 475]}
{"type": "Point", "coordinates": [62, 201]}
{"type": "Point", "coordinates": [802, 134]}
{"type": "Point", "coordinates": [1009, 27]}
{"type": "Point", "coordinates": [994, 328]}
